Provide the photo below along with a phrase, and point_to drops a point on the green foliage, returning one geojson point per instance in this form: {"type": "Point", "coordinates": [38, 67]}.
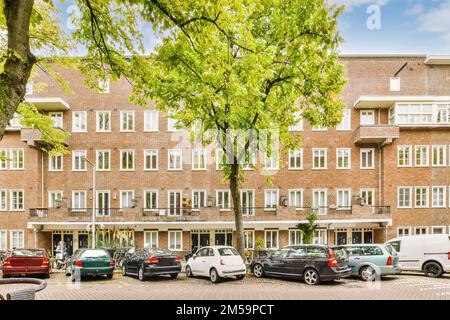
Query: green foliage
{"type": "Point", "coordinates": [259, 245]}
{"type": "Point", "coordinates": [308, 228]}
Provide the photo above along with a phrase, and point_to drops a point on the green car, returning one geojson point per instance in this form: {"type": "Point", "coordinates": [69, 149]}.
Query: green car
{"type": "Point", "coordinates": [90, 262]}
{"type": "Point", "coordinates": [371, 260]}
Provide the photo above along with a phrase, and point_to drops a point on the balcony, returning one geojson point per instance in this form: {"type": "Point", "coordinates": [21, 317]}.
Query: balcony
{"type": "Point", "coordinates": [379, 134]}
{"type": "Point", "coordinates": [33, 138]}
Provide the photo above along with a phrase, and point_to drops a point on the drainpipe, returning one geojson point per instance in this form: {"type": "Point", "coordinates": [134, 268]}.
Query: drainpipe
{"type": "Point", "coordinates": [380, 178]}
{"type": "Point", "coordinates": [42, 179]}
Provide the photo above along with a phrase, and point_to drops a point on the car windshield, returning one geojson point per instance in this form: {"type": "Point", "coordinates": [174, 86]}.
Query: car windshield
{"type": "Point", "coordinates": [27, 253]}
{"type": "Point", "coordinates": [228, 252]}
{"type": "Point", "coordinates": [94, 254]}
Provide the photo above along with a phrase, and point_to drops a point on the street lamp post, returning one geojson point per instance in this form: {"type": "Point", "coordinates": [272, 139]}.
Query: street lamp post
{"type": "Point", "coordinates": [93, 201]}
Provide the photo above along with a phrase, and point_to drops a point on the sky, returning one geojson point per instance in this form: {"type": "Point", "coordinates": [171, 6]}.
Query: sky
{"type": "Point", "coordinates": [372, 26]}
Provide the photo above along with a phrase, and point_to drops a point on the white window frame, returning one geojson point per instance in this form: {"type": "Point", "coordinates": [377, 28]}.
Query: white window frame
{"type": "Point", "coordinates": [364, 200]}
{"type": "Point", "coordinates": [325, 158]}
{"type": "Point", "coordinates": [365, 150]}
{"type": "Point", "coordinates": [339, 154]}
{"type": "Point", "coordinates": [250, 211]}
{"type": "Point", "coordinates": [411, 197]}
{"type": "Point", "coordinates": [59, 122]}
{"type": "Point", "coordinates": [435, 148]}
{"type": "Point", "coordinates": [77, 122]}
{"type": "Point", "coordinates": [83, 164]}
{"type": "Point", "coordinates": [178, 153]}
{"type": "Point", "coordinates": [421, 227]}
{"type": "Point", "coordinates": [364, 115]}
{"type": "Point", "coordinates": [293, 202]}
{"type": "Point", "coordinates": [151, 121]}
{"type": "Point", "coordinates": [130, 201]}
{"type": "Point", "coordinates": [394, 84]}
{"type": "Point", "coordinates": [175, 233]}
{"type": "Point", "coordinates": [97, 160]}
{"type": "Point", "coordinates": [220, 159]}
{"type": "Point", "coordinates": [346, 123]}
{"type": "Point", "coordinates": [444, 197]}
{"type": "Point", "coordinates": [322, 210]}
{"type": "Point", "coordinates": [11, 239]}
{"type": "Point", "coordinates": [3, 199]}
{"type": "Point", "coordinates": [427, 153]}
{"type": "Point", "coordinates": [29, 88]}
{"type": "Point", "coordinates": [122, 151]}
{"type": "Point", "coordinates": [220, 205]}
{"type": "Point", "coordinates": [171, 123]}
{"type": "Point", "coordinates": [3, 239]}
{"type": "Point", "coordinates": [4, 163]}
{"type": "Point", "coordinates": [427, 194]}
{"type": "Point", "coordinates": [148, 235]}
{"type": "Point", "coordinates": [103, 85]}
{"type": "Point", "coordinates": [298, 235]}
{"type": "Point", "coordinates": [201, 205]}
{"type": "Point", "coordinates": [197, 154]}
{"type": "Point", "coordinates": [295, 154]}
{"type": "Point", "coordinates": [268, 205]}
{"type": "Point", "coordinates": [124, 115]}
{"type": "Point", "coordinates": [401, 151]}
{"type": "Point", "coordinates": [14, 165]}
{"type": "Point", "coordinates": [51, 163]}
{"type": "Point", "coordinates": [146, 193]}
{"type": "Point", "coordinates": [151, 153]}
{"type": "Point", "coordinates": [11, 200]}
{"type": "Point", "coordinates": [248, 245]}
{"type": "Point", "coordinates": [272, 162]}
{"type": "Point", "coordinates": [403, 233]}
{"type": "Point", "coordinates": [433, 228]}
{"type": "Point", "coordinates": [51, 203]}
{"type": "Point", "coordinates": [72, 204]}
{"type": "Point", "coordinates": [177, 211]}
{"type": "Point", "coordinates": [97, 121]}
{"type": "Point", "coordinates": [266, 232]}
{"type": "Point", "coordinates": [340, 206]}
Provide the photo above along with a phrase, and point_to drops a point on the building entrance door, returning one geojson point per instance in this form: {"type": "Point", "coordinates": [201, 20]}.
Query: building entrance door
{"type": "Point", "coordinates": [199, 239]}
{"type": "Point", "coordinates": [82, 241]}
{"type": "Point", "coordinates": [68, 240]}
{"type": "Point", "coordinates": [341, 238]}
{"type": "Point", "coordinates": [223, 238]}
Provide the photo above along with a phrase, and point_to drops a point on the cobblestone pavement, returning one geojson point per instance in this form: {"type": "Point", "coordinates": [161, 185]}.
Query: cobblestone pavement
{"type": "Point", "coordinates": [405, 286]}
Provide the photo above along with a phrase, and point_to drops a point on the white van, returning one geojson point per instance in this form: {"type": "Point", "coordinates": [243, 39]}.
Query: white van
{"type": "Point", "coordinates": [427, 253]}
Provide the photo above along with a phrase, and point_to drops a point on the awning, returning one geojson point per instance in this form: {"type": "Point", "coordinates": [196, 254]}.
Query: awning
{"type": "Point", "coordinates": [48, 103]}
{"type": "Point", "coordinates": [385, 102]}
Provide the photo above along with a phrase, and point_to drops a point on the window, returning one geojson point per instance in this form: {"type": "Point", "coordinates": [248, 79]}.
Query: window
{"type": "Point", "coordinates": [150, 239]}
{"type": "Point", "coordinates": [367, 117]}
{"type": "Point", "coordinates": [319, 159]}
{"type": "Point", "coordinates": [17, 161]}
{"type": "Point", "coordinates": [151, 121]}
{"type": "Point", "coordinates": [438, 156]}
{"type": "Point", "coordinates": [298, 126]}
{"type": "Point", "coordinates": [404, 156]}
{"type": "Point", "coordinates": [249, 239]}
{"type": "Point", "coordinates": [3, 240]}
{"type": "Point", "coordinates": [17, 200]}
{"type": "Point", "coordinates": [404, 114]}
{"type": "Point", "coordinates": [248, 161]}
{"type": "Point", "coordinates": [55, 163]}
{"type": "Point", "coordinates": [344, 199]}
{"type": "Point", "coordinates": [126, 160]}
{"type": "Point", "coordinates": [404, 197]}
{"type": "Point", "coordinates": [438, 197]}
{"type": "Point", "coordinates": [320, 201]}
{"type": "Point", "coordinates": [103, 120]}
{"type": "Point", "coordinates": [79, 121]}
{"type": "Point", "coordinates": [403, 232]}
{"type": "Point", "coordinates": [103, 85]}
{"type": "Point", "coordinates": [221, 158]}
{"type": "Point", "coordinates": [420, 230]}
{"type": "Point", "coordinates": [394, 84]}
{"type": "Point", "coordinates": [248, 202]}
{"type": "Point", "coordinates": [176, 240]}
{"type": "Point", "coordinates": [421, 197]}
{"type": "Point", "coordinates": [319, 128]}
{"type": "Point", "coordinates": [367, 158]}
{"type": "Point", "coordinates": [78, 199]}
{"type": "Point", "coordinates": [150, 199]}
{"type": "Point", "coordinates": [343, 158]}
{"type": "Point", "coordinates": [271, 162]}
{"type": "Point", "coordinates": [17, 239]}
{"type": "Point", "coordinates": [126, 199]}
{"type": "Point", "coordinates": [296, 159]}
{"type": "Point", "coordinates": [296, 199]}
{"type": "Point", "coordinates": [3, 200]}
{"type": "Point", "coordinates": [29, 88]}
{"type": "Point", "coordinates": [367, 197]}
{"type": "Point", "coordinates": [270, 199]}
{"type": "Point", "coordinates": [295, 237]}
{"type": "Point", "coordinates": [320, 237]}
{"type": "Point", "coordinates": [15, 121]}
{"type": "Point", "coordinates": [3, 159]}
{"type": "Point", "coordinates": [55, 199]}
{"type": "Point", "coordinates": [198, 199]}
{"type": "Point", "coordinates": [79, 160]}
{"type": "Point", "coordinates": [58, 120]}
{"type": "Point", "coordinates": [171, 123]}
{"type": "Point", "coordinates": [103, 160]}
{"type": "Point", "coordinates": [223, 199]}
{"type": "Point", "coordinates": [421, 156]}
{"type": "Point", "coordinates": [175, 157]}
{"type": "Point", "coordinates": [151, 159]}
{"type": "Point", "coordinates": [126, 121]}
{"type": "Point", "coordinates": [346, 123]}
{"type": "Point", "coordinates": [271, 239]}
{"type": "Point", "coordinates": [438, 230]}
{"type": "Point", "coordinates": [174, 203]}
{"type": "Point", "coordinates": [198, 159]}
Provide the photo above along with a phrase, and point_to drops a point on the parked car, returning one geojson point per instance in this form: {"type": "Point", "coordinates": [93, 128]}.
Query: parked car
{"type": "Point", "coordinates": [90, 262]}
{"type": "Point", "coordinates": [26, 262]}
{"type": "Point", "coordinates": [371, 260]}
{"type": "Point", "coordinates": [2, 256]}
{"type": "Point", "coordinates": [148, 262]}
{"type": "Point", "coordinates": [312, 263]}
{"type": "Point", "coordinates": [427, 253]}
{"type": "Point", "coordinates": [216, 262]}
{"type": "Point", "coordinates": [190, 254]}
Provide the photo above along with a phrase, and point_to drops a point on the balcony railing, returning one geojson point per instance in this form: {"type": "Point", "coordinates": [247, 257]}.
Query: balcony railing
{"type": "Point", "coordinates": [39, 212]}
{"type": "Point", "coordinates": [382, 209]}
{"type": "Point", "coordinates": [99, 212]}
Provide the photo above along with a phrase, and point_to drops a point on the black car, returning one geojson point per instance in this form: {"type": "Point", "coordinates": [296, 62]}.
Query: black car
{"type": "Point", "coordinates": [149, 262]}
{"type": "Point", "coordinates": [312, 263]}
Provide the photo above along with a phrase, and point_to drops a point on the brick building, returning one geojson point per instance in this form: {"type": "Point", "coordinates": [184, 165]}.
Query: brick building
{"type": "Point", "coordinates": [384, 171]}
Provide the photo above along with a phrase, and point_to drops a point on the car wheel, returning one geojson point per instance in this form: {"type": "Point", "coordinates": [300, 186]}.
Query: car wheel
{"type": "Point", "coordinates": [258, 270]}
{"type": "Point", "coordinates": [367, 273]}
{"type": "Point", "coordinates": [240, 277]}
{"type": "Point", "coordinates": [433, 269]}
{"type": "Point", "coordinates": [189, 273]}
{"type": "Point", "coordinates": [174, 276]}
{"type": "Point", "coordinates": [124, 270]}
{"type": "Point", "coordinates": [214, 276]}
{"type": "Point", "coordinates": [311, 277]}
{"type": "Point", "coordinates": [141, 275]}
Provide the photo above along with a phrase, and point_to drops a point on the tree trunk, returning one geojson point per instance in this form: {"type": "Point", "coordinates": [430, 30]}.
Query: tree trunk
{"type": "Point", "coordinates": [19, 59]}
{"type": "Point", "coordinates": [234, 188]}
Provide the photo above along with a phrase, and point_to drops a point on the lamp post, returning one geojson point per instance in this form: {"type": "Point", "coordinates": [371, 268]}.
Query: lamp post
{"type": "Point", "coordinates": [93, 200]}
